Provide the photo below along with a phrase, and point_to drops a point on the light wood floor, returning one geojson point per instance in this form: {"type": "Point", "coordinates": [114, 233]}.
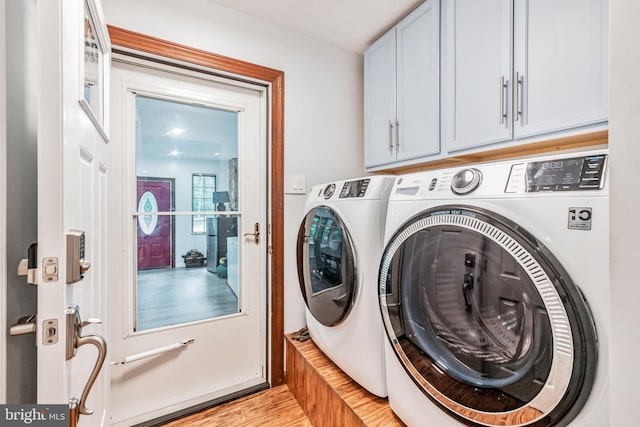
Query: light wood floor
{"type": "Point", "coordinates": [170, 296]}
{"type": "Point", "coordinates": [273, 407]}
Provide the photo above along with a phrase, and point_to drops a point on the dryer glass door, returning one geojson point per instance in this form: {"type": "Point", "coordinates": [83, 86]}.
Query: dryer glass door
{"type": "Point", "coordinates": [326, 266]}
{"type": "Point", "coordinates": [485, 319]}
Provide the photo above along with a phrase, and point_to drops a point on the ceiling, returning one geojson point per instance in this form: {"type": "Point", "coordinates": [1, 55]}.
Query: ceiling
{"type": "Point", "coordinates": [179, 131]}
{"type": "Point", "coordinates": [176, 131]}
{"type": "Point", "coordinates": [349, 24]}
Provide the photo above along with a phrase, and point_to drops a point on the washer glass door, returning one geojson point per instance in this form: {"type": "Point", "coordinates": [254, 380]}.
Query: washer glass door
{"type": "Point", "coordinates": [485, 320]}
{"type": "Point", "coordinates": [326, 266]}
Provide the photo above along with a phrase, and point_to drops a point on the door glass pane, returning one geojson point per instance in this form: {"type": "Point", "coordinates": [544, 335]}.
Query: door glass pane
{"type": "Point", "coordinates": [186, 218]}
{"type": "Point", "coordinates": [93, 57]}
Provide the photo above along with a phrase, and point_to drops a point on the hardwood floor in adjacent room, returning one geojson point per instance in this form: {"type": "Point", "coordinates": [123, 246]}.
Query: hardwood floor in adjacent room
{"type": "Point", "coordinates": [170, 296]}
{"type": "Point", "coordinates": [273, 407]}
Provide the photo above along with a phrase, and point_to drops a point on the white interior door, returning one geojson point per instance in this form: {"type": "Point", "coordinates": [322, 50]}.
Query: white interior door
{"type": "Point", "coordinates": [73, 166]}
{"type": "Point", "coordinates": [191, 151]}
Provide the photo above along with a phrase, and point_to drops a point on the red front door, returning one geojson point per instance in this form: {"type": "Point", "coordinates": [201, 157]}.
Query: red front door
{"type": "Point", "coordinates": [155, 232]}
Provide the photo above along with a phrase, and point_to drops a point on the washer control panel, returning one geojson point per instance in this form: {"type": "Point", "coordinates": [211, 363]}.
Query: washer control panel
{"type": "Point", "coordinates": [566, 174]}
{"type": "Point", "coordinates": [356, 188]}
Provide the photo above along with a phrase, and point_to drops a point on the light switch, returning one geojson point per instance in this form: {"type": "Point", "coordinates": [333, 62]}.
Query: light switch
{"type": "Point", "coordinates": [295, 184]}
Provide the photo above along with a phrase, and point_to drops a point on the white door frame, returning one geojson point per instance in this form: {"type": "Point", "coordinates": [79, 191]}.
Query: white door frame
{"type": "Point", "coordinates": [125, 41]}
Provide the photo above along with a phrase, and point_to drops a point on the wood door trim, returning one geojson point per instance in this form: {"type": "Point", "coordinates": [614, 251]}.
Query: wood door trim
{"type": "Point", "coordinates": [274, 79]}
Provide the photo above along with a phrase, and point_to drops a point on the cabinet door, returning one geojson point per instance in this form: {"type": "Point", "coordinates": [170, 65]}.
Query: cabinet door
{"type": "Point", "coordinates": [380, 101]}
{"type": "Point", "coordinates": [418, 84]}
{"type": "Point", "coordinates": [561, 56]}
{"type": "Point", "coordinates": [477, 61]}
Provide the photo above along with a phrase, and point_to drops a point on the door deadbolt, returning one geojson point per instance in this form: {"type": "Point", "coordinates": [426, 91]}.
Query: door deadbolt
{"type": "Point", "coordinates": [29, 266]}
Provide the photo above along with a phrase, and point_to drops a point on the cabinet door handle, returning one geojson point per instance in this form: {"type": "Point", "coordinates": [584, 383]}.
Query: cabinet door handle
{"type": "Point", "coordinates": [390, 136]}
{"type": "Point", "coordinates": [517, 111]}
{"type": "Point", "coordinates": [397, 135]}
{"type": "Point", "coordinates": [503, 91]}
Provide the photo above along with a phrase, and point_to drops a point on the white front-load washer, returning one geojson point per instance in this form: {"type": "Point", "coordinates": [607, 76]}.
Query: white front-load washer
{"type": "Point", "coordinates": [338, 254]}
{"type": "Point", "coordinates": [494, 293]}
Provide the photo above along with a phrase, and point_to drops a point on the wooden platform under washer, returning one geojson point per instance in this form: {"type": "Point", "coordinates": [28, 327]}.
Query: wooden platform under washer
{"type": "Point", "coordinates": [327, 395]}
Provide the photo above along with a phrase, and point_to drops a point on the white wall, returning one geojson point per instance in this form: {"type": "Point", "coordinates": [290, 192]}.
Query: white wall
{"type": "Point", "coordinates": [181, 171]}
{"type": "Point", "coordinates": [323, 96]}
{"type": "Point", "coordinates": [624, 146]}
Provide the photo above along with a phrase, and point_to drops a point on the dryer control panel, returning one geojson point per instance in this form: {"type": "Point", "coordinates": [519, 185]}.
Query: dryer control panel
{"type": "Point", "coordinates": [566, 174]}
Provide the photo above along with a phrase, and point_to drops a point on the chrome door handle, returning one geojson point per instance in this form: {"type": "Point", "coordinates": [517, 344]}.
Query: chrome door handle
{"type": "Point", "coordinates": [255, 234]}
{"type": "Point", "coordinates": [517, 111]}
{"type": "Point", "coordinates": [74, 341]}
{"type": "Point", "coordinates": [101, 345]}
{"type": "Point", "coordinates": [24, 325]}
{"type": "Point", "coordinates": [503, 92]}
{"type": "Point", "coordinates": [390, 136]}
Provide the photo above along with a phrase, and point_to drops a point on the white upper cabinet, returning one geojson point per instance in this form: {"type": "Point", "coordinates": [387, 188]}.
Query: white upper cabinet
{"type": "Point", "coordinates": [380, 101]}
{"type": "Point", "coordinates": [476, 72]}
{"type": "Point", "coordinates": [561, 61]}
{"type": "Point", "coordinates": [514, 69]}
{"type": "Point", "coordinates": [402, 90]}
{"type": "Point", "coordinates": [418, 83]}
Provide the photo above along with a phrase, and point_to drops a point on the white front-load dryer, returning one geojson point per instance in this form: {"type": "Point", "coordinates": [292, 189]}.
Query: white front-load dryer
{"type": "Point", "coordinates": [494, 293]}
{"type": "Point", "coordinates": [338, 250]}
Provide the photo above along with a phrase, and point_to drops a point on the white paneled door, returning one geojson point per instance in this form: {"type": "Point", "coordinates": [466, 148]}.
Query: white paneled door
{"type": "Point", "coordinates": [73, 170]}
{"type": "Point", "coordinates": [188, 255]}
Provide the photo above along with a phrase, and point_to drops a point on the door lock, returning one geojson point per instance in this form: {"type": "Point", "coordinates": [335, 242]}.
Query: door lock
{"type": "Point", "coordinates": [27, 325]}
{"type": "Point", "coordinates": [77, 264]}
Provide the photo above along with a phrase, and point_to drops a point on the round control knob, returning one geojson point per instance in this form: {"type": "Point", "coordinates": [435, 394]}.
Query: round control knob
{"type": "Point", "coordinates": [466, 181]}
{"type": "Point", "coordinates": [329, 190]}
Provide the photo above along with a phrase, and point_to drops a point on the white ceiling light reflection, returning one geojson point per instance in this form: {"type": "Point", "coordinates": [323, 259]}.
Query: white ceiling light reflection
{"type": "Point", "coordinates": [175, 153]}
{"type": "Point", "coordinates": [176, 132]}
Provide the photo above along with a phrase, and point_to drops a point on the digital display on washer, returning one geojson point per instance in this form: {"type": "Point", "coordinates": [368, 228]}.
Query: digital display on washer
{"type": "Point", "coordinates": [570, 174]}
{"type": "Point", "coordinates": [354, 188]}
